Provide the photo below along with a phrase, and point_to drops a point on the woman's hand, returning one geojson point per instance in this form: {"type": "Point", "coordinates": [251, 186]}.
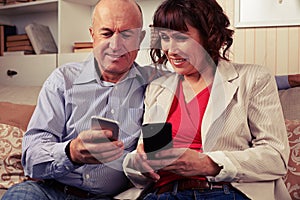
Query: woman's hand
{"type": "Point", "coordinates": [185, 162]}
{"type": "Point", "coordinates": [140, 163]}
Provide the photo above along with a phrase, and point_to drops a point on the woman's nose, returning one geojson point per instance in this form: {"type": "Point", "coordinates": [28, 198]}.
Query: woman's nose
{"type": "Point", "coordinates": [173, 46]}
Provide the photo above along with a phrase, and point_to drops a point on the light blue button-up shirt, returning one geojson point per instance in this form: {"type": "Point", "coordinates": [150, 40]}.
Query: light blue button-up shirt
{"type": "Point", "coordinates": [69, 97]}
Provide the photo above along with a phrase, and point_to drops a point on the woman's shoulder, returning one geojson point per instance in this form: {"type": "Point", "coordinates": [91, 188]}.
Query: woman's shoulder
{"type": "Point", "coordinates": [165, 77]}
{"type": "Point", "coordinates": [253, 68]}
{"type": "Point", "coordinates": [244, 73]}
{"type": "Point", "coordinates": [245, 70]}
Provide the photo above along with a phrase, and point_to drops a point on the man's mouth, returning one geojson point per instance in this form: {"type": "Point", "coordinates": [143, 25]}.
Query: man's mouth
{"type": "Point", "coordinates": [115, 57]}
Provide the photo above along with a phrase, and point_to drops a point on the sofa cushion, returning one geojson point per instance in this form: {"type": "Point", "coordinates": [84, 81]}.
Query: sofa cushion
{"type": "Point", "coordinates": [290, 102]}
{"type": "Point", "coordinates": [17, 115]}
{"type": "Point", "coordinates": [11, 170]}
{"type": "Point", "coordinates": [293, 175]}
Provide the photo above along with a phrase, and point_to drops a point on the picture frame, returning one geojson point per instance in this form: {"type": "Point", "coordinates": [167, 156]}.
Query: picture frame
{"type": "Point", "coordinates": [266, 13]}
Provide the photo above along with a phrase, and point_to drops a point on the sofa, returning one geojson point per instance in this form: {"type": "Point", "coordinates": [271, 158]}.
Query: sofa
{"type": "Point", "coordinates": [14, 118]}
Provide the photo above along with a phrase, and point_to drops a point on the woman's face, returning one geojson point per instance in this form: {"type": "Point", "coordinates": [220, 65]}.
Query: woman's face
{"type": "Point", "coordinates": [184, 50]}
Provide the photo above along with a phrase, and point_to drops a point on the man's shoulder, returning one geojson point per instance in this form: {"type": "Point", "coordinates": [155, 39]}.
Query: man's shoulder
{"type": "Point", "coordinates": [147, 72]}
{"type": "Point", "coordinates": [66, 73]}
{"type": "Point", "coordinates": [146, 69]}
{"type": "Point", "coordinates": [151, 72]}
{"type": "Point", "coordinates": [71, 68]}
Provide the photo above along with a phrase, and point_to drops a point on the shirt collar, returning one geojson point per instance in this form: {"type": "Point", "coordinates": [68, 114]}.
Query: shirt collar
{"type": "Point", "coordinates": [91, 74]}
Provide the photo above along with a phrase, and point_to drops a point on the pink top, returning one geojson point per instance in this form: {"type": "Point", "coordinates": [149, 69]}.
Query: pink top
{"type": "Point", "coordinates": [186, 120]}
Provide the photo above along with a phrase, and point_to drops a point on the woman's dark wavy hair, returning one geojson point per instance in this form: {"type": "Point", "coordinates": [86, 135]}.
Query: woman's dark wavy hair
{"type": "Point", "coordinates": [206, 16]}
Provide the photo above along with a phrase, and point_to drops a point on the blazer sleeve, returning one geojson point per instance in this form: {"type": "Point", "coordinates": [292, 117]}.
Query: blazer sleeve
{"type": "Point", "coordinates": [267, 156]}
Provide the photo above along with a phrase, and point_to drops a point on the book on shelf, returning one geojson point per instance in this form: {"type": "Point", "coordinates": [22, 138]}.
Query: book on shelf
{"type": "Point", "coordinates": [41, 38]}
{"type": "Point", "coordinates": [82, 47]}
{"type": "Point", "coordinates": [17, 37]}
{"type": "Point", "coordinates": [20, 48]}
{"type": "Point", "coordinates": [25, 0]}
{"type": "Point", "coordinates": [5, 30]}
{"type": "Point", "coordinates": [78, 45]}
{"type": "Point", "coordinates": [82, 50]}
{"type": "Point", "coordinates": [17, 43]}
{"type": "Point", "coordinates": [9, 2]}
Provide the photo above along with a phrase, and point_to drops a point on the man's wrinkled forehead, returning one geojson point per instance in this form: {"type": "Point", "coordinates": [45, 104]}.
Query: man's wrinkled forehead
{"type": "Point", "coordinates": [126, 13]}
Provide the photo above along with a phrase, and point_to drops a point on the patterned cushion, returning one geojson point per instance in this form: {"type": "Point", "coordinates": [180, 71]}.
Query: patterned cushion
{"type": "Point", "coordinates": [11, 171]}
{"type": "Point", "coordinates": [292, 179]}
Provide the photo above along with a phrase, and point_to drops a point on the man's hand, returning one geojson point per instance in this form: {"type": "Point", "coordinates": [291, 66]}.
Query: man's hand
{"type": "Point", "coordinates": [294, 80]}
{"type": "Point", "coordinates": [94, 147]}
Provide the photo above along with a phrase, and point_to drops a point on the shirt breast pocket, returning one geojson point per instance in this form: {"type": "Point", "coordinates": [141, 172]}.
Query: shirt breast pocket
{"type": "Point", "coordinates": [130, 120]}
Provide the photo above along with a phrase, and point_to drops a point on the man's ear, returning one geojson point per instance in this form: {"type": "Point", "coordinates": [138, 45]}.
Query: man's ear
{"type": "Point", "coordinates": [142, 36]}
{"type": "Point", "coordinates": [91, 32]}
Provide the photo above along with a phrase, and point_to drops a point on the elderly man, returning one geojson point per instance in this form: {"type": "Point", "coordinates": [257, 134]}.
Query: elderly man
{"type": "Point", "coordinates": [70, 160]}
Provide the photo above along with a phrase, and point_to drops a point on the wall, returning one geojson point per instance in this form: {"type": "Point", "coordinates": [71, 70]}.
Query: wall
{"type": "Point", "coordinates": [277, 48]}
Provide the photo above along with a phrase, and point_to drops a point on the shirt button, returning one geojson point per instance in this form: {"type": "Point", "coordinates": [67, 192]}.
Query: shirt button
{"type": "Point", "coordinates": [87, 176]}
{"type": "Point", "coordinates": [112, 111]}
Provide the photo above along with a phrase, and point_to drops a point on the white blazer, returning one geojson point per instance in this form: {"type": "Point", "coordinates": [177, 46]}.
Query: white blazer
{"type": "Point", "coordinates": [242, 130]}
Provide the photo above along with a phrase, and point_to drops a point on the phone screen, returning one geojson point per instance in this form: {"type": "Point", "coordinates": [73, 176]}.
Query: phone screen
{"type": "Point", "coordinates": [157, 137]}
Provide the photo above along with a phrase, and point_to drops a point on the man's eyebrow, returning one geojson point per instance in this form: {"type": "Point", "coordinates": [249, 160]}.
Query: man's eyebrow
{"type": "Point", "coordinates": [105, 29]}
{"type": "Point", "coordinates": [110, 30]}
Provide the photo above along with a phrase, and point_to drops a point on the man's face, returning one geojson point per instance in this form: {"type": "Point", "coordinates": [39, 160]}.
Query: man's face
{"type": "Point", "coordinates": [116, 36]}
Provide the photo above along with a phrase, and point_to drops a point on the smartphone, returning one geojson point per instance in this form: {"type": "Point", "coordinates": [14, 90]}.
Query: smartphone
{"type": "Point", "coordinates": [102, 123]}
{"type": "Point", "coordinates": [157, 137]}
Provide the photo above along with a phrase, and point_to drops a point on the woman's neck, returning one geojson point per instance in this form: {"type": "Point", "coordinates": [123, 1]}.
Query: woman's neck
{"type": "Point", "coordinates": [193, 84]}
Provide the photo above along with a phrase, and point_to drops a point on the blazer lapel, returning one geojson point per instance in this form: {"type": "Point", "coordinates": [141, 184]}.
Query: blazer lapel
{"type": "Point", "coordinates": [165, 99]}
{"type": "Point", "coordinates": [222, 92]}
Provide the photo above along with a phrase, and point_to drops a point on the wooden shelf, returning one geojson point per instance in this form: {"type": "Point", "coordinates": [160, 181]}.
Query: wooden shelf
{"type": "Point", "coordinates": [84, 2]}
{"type": "Point", "coordinates": [29, 7]}
{"type": "Point", "coordinates": [90, 2]}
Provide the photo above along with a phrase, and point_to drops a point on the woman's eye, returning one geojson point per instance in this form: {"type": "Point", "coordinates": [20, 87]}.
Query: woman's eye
{"type": "Point", "coordinates": [181, 37]}
{"type": "Point", "coordinates": [164, 37]}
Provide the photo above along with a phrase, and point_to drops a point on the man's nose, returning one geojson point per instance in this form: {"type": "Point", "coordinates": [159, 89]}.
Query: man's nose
{"type": "Point", "coordinates": [116, 42]}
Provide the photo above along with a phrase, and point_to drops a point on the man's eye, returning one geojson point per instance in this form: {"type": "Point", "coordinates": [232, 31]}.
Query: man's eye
{"type": "Point", "coordinates": [106, 34]}
{"type": "Point", "coordinates": [126, 35]}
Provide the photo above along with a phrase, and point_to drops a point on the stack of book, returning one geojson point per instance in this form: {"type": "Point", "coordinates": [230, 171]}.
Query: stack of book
{"type": "Point", "coordinates": [82, 47]}
{"type": "Point", "coordinates": [19, 43]}
{"type": "Point", "coordinates": [9, 2]}
{"type": "Point", "coordinates": [5, 31]}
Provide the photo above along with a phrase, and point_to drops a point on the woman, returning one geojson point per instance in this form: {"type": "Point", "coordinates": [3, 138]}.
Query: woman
{"type": "Point", "coordinates": [228, 132]}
